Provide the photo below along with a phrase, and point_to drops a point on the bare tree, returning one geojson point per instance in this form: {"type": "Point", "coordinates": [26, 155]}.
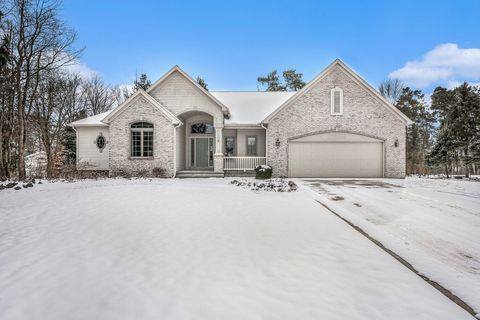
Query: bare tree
{"type": "Point", "coordinates": [55, 106]}
{"type": "Point", "coordinates": [98, 97]}
{"type": "Point", "coordinates": [391, 89]}
{"type": "Point", "coordinates": [40, 43]}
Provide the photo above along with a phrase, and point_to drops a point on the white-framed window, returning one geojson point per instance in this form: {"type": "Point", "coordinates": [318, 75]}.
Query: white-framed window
{"type": "Point", "coordinates": [336, 101]}
{"type": "Point", "coordinates": [142, 139]}
{"type": "Point", "coordinates": [251, 145]}
{"type": "Point", "coordinates": [230, 146]}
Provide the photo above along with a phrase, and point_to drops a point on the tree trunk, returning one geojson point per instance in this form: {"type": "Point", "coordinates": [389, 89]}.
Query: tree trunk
{"type": "Point", "coordinates": [21, 147]}
{"type": "Point", "coordinates": [50, 163]}
{"type": "Point", "coordinates": [3, 173]}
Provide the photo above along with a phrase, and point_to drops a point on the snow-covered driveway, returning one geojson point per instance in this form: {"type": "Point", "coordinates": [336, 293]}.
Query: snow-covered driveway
{"type": "Point", "coordinates": [194, 249]}
{"type": "Point", "coordinates": [433, 224]}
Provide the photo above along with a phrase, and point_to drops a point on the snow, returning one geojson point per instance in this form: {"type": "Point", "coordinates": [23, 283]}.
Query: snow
{"type": "Point", "coordinates": [246, 107]}
{"type": "Point", "coordinates": [195, 249]}
{"type": "Point", "coordinates": [95, 120]}
{"type": "Point", "coordinates": [432, 223]}
{"type": "Point", "coordinates": [251, 107]}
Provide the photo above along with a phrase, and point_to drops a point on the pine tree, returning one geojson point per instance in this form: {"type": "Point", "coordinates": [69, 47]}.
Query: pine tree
{"type": "Point", "coordinates": [202, 83]}
{"type": "Point", "coordinates": [293, 80]}
{"type": "Point", "coordinates": [458, 113]}
{"type": "Point", "coordinates": [141, 82]}
{"type": "Point", "coordinates": [467, 123]}
{"type": "Point", "coordinates": [419, 134]}
{"type": "Point", "coordinates": [272, 81]}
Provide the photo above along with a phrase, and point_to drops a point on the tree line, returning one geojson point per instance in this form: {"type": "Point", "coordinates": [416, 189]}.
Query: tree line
{"type": "Point", "coordinates": [445, 134]}
{"type": "Point", "coordinates": [39, 95]}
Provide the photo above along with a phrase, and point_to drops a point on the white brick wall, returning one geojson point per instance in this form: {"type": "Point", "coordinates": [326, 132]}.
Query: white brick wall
{"type": "Point", "coordinates": [179, 95]}
{"type": "Point", "coordinates": [120, 140]}
{"type": "Point", "coordinates": [362, 113]}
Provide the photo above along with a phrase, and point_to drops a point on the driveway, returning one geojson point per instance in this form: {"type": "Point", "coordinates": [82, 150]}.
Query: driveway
{"type": "Point", "coordinates": [432, 223]}
{"type": "Point", "coordinates": [194, 249]}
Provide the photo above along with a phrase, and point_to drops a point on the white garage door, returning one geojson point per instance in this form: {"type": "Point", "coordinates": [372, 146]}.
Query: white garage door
{"type": "Point", "coordinates": [335, 155]}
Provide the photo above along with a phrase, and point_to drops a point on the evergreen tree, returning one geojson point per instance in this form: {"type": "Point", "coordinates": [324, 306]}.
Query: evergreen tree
{"type": "Point", "coordinates": [419, 134]}
{"type": "Point", "coordinates": [202, 83]}
{"type": "Point", "coordinates": [458, 114]}
{"type": "Point", "coordinates": [141, 82]}
{"type": "Point", "coordinates": [272, 81]}
{"type": "Point", "coordinates": [293, 80]}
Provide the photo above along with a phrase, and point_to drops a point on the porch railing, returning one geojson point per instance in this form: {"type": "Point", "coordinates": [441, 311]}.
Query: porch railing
{"type": "Point", "coordinates": [243, 163]}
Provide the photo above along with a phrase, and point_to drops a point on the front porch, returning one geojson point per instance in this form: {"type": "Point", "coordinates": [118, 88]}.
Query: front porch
{"type": "Point", "coordinates": [205, 146]}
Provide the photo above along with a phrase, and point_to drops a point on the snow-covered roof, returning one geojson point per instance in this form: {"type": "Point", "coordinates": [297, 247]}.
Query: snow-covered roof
{"type": "Point", "coordinates": [246, 107]}
{"type": "Point", "coordinates": [95, 120]}
{"type": "Point", "coordinates": [251, 107]}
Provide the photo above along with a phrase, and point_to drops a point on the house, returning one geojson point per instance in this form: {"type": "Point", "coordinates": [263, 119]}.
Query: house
{"type": "Point", "coordinates": [336, 126]}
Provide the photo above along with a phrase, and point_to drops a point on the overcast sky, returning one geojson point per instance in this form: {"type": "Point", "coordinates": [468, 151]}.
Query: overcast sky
{"type": "Point", "coordinates": [230, 43]}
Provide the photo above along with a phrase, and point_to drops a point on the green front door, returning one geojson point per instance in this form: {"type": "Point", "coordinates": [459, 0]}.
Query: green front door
{"type": "Point", "coordinates": [201, 152]}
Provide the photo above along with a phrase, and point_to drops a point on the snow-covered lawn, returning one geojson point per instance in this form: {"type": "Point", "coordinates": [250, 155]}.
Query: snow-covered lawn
{"type": "Point", "coordinates": [434, 224]}
{"type": "Point", "coordinates": [195, 249]}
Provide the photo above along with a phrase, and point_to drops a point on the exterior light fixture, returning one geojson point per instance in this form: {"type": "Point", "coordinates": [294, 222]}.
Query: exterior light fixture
{"type": "Point", "coordinates": [277, 142]}
{"type": "Point", "coordinates": [396, 143]}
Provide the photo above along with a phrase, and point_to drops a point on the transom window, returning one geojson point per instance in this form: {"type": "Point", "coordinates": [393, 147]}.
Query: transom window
{"type": "Point", "coordinates": [142, 139]}
{"type": "Point", "coordinates": [251, 146]}
{"type": "Point", "coordinates": [336, 101]}
{"type": "Point", "coordinates": [204, 128]}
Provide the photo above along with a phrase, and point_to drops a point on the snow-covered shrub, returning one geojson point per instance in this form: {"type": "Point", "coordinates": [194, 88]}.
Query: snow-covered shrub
{"type": "Point", "coordinates": [274, 185]}
{"type": "Point", "coordinates": [36, 164]}
{"type": "Point", "coordinates": [158, 172]}
{"type": "Point", "coordinates": [263, 172]}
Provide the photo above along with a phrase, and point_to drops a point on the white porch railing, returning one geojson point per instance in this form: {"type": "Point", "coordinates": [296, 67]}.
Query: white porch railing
{"type": "Point", "coordinates": [242, 163]}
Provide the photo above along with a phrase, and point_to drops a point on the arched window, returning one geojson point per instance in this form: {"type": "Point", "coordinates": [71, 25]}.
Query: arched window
{"type": "Point", "coordinates": [142, 139]}
{"type": "Point", "coordinates": [204, 128]}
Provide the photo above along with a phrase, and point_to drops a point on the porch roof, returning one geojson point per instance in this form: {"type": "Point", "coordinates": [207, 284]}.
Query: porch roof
{"type": "Point", "coordinates": [251, 107]}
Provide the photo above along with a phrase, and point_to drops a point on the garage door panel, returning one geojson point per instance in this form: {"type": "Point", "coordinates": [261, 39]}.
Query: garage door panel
{"type": "Point", "coordinates": [335, 159]}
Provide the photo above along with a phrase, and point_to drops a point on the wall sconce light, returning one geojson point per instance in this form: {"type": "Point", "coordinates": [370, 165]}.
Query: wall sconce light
{"type": "Point", "coordinates": [277, 143]}
{"type": "Point", "coordinates": [396, 143]}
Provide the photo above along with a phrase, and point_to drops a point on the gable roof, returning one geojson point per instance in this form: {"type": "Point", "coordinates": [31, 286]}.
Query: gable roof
{"type": "Point", "coordinates": [176, 68]}
{"type": "Point", "coordinates": [337, 63]}
{"type": "Point", "coordinates": [93, 121]}
{"type": "Point", "coordinates": [251, 107]}
{"type": "Point", "coordinates": [115, 112]}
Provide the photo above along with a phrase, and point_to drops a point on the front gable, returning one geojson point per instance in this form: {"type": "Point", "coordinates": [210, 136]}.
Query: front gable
{"type": "Point", "coordinates": [358, 92]}
{"type": "Point", "coordinates": [179, 93]}
{"type": "Point", "coordinates": [141, 98]}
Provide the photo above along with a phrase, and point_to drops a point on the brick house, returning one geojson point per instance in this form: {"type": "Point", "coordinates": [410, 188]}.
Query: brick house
{"type": "Point", "coordinates": [336, 126]}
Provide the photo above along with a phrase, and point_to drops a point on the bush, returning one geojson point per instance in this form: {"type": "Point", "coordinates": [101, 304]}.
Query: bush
{"type": "Point", "coordinates": [263, 172]}
{"type": "Point", "coordinates": [158, 172]}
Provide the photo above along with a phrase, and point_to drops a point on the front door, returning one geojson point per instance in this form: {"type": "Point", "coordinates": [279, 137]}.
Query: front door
{"type": "Point", "coordinates": [201, 152]}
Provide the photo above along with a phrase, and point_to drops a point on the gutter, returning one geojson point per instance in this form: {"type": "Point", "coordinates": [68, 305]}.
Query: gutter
{"type": "Point", "coordinates": [76, 143]}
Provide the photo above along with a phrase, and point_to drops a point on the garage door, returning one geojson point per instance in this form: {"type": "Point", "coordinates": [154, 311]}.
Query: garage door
{"type": "Point", "coordinates": [335, 155]}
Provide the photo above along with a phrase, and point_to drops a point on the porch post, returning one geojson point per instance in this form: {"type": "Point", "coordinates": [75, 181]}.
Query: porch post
{"type": "Point", "coordinates": [218, 156]}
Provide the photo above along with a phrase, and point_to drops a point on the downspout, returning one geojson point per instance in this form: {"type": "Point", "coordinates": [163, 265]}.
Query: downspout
{"type": "Point", "coordinates": [76, 146]}
{"type": "Point", "coordinates": [175, 127]}
{"type": "Point", "coordinates": [266, 142]}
